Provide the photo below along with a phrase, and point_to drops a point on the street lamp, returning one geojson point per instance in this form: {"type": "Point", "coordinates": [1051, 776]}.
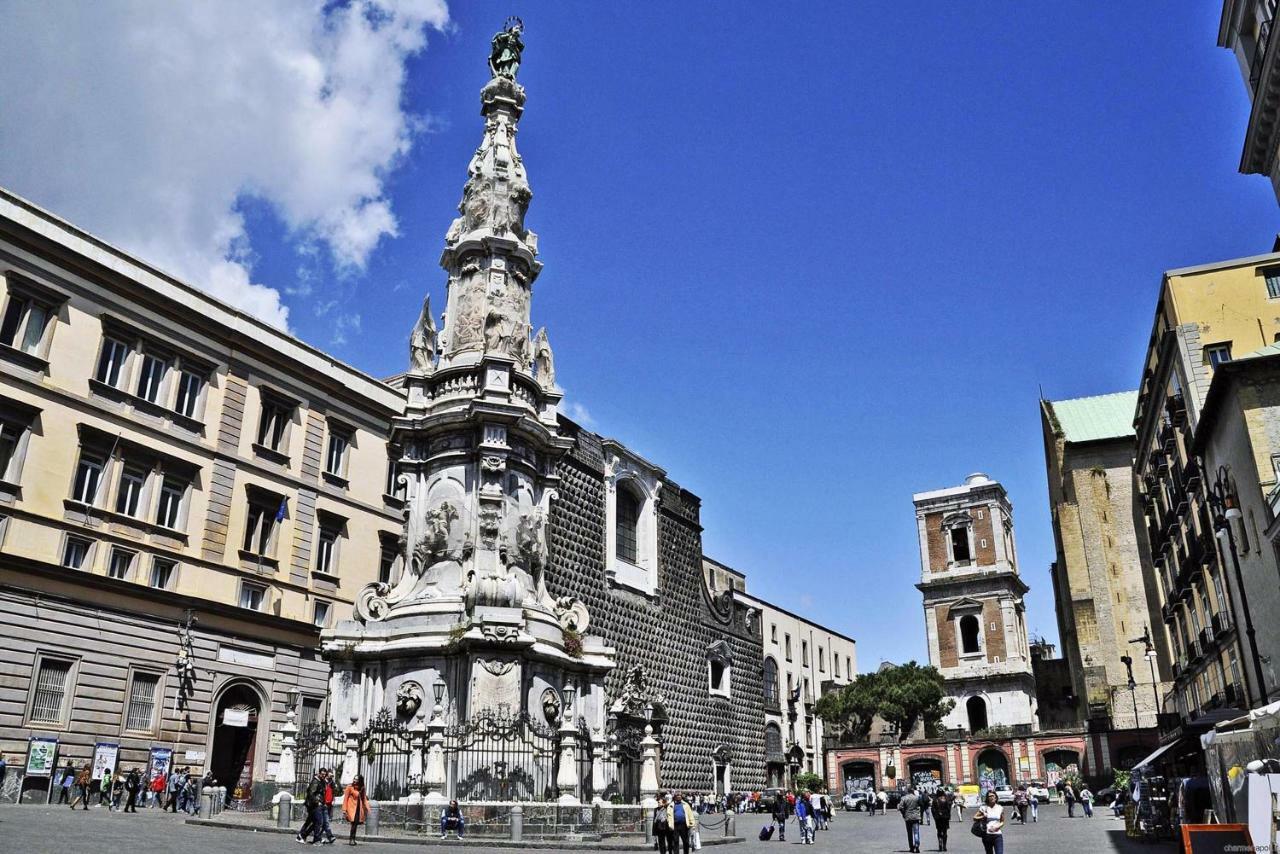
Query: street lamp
{"type": "Point", "coordinates": [1149, 653]}
{"type": "Point", "coordinates": [1226, 504]}
{"type": "Point", "coordinates": [1132, 685]}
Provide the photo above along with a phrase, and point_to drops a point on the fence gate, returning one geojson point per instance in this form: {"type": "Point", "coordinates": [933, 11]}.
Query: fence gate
{"type": "Point", "coordinates": [500, 756]}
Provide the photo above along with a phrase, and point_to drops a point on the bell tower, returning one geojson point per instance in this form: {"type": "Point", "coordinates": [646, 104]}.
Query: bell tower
{"type": "Point", "coordinates": [973, 604]}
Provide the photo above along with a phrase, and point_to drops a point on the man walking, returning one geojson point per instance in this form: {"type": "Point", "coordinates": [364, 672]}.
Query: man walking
{"type": "Point", "coordinates": [132, 785]}
{"type": "Point", "coordinates": [909, 806]}
{"type": "Point", "coordinates": [1069, 795]}
{"type": "Point", "coordinates": [780, 816]}
{"type": "Point", "coordinates": [65, 782]}
{"type": "Point", "coordinates": [941, 807]}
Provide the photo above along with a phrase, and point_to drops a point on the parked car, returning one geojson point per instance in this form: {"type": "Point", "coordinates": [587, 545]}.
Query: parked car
{"type": "Point", "coordinates": [856, 801]}
{"type": "Point", "coordinates": [1038, 790]}
{"type": "Point", "coordinates": [895, 795]}
{"type": "Point", "coordinates": [1004, 795]}
{"type": "Point", "coordinates": [1106, 796]}
{"type": "Point", "coordinates": [769, 797]}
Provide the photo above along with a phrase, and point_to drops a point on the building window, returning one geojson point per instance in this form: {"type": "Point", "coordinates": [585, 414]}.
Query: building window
{"type": "Point", "coordinates": [786, 646]}
{"type": "Point", "coordinates": [151, 377]}
{"type": "Point", "coordinates": [260, 524]}
{"type": "Point", "coordinates": [24, 325]}
{"type": "Point", "coordinates": [274, 423]}
{"type": "Point", "coordinates": [111, 362]}
{"type": "Point", "coordinates": [163, 571]}
{"type": "Point", "coordinates": [121, 563]}
{"type": "Point", "coordinates": [626, 520]}
{"type": "Point", "coordinates": [822, 660]}
{"type": "Point", "coordinates": [959, 537]}
{"type": "Point", "coordinates": [804, 653]}
{"type": "Point", "coordinates": [129, 492]}
{"type": "Point", "coordinates": [835, 665]}
{"type": "Point", "coordinates": [88, 478]}
{"type": "Point", "coordinates": [75, 552]}
{"type": "Point", "coordinates": [718, 677]}
{"type": "Point", "coordinates": [1216, 354]}
{"type": "Point", "coordinates": [848, 667]}
{"type": "Point", "coordinates": [1273, 283]}
{"type": "Point", "coordinates": [252, 596]}
{"type": "Point", "coordinates": [327, 545]}
{"type": "Point", "coordinates": [335, 459]}
{"type": "Point", "coordinates": [771, 698]}
{"type": "Point", "coordinates": [52, 688]}
{"type": "Point", "coordinates": [10, 439]}
{"type": "Point", "coordinates": [190, 387]}
{"type": "Point", "coordinates": [309, 714]}
{"type": "Point", "coordinates": [976, 711]}
{"type": "Point", "coordinates": [970, 629]}
{"type": "Point", "coordinates": [773, 633]}
{"type": "Point", "coordinates": [16, 420]}
{"type": "Point", "coordinates": [320, 615]}
{"type": "Point", "coordinates": [169, 509]}
{"type": "Point", "coordinates": [387, 561]}
{"type": "Point", "coordinates": [140, 716]}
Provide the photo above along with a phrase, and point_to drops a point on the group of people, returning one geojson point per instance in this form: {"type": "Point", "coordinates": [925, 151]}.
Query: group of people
{"type": "Point", "coordinates": [812, 812]}
{"type": "Point", "coordinates": [318, 803]}
{"type": "Point", "coordinates": [675, 824]}
{"type": "Point", "coordinates": [916, 805]}
{"type": "Point", "coordinates": [1071, 797]}
{"type": "Point", "coordinates": [123, 790]}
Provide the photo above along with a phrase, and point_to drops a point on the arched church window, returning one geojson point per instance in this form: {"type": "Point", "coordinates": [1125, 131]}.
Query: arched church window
{"type": "Point", "coordinates": [627, 520]}
{"type": "Point", "coordinates": [771, 697]}
{"type": "Point", "coordinates": [960, 544]}
{"type": "Point", "coordinates": [969, 628]}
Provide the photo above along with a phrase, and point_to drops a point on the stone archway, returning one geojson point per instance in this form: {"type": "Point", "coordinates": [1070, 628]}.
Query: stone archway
{"type": "Point", "coordinates": [233, 750]}
{"type": "Point", "coordinates": [859, 776]}
{"type": "Point", "coordinates": [925, 772]}
{"type": "Point", "coordinates": [992, 769]}
{"type": "Point", "coordinates": [1060, 764]}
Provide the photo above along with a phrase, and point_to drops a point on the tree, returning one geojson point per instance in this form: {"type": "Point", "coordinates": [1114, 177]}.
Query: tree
{"type": "Point", "coordinates": [909, 694]}
{"type": "Point", "coordinates": [852, 708]}
{"type": "Point", "coordinates": [806, 780]}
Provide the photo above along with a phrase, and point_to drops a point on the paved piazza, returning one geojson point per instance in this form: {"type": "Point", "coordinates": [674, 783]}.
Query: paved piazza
{"type": "Point", "coordinates": [39, 829]}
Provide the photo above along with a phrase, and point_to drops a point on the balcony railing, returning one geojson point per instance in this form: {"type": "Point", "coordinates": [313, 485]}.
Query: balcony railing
{"type": "Point", "coordinates": [1259, 54]}
{"type": "Point", "coordinates": [1221, 622]}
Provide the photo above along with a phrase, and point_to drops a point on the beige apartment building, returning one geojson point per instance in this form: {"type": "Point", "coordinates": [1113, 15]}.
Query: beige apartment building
{"type": "Point", "coordinates": [1206, 317]}
{"type": "Point", "coordinates": [178, 515]}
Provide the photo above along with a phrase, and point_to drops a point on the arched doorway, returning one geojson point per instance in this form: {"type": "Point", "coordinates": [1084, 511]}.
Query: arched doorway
{"type": "Point", "coordinates": [1061, 764]}
{"type": "Point", "coordinates": [993, 769]}
{"type": "Point", "coordinates": [235, 735]}
{"type": "Point", "coordinates": [976, 707]}
{"type": "Point", "coordinates": [775, 758]}
{"type": "Point", "coordinates": [859, 776]}
{"type": "Point", "coordinates": [925, 772]}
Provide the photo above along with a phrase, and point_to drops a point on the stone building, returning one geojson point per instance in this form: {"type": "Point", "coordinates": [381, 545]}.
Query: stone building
{"type": "Point", "coordinates": [1103, 582]}
{"type": "Point", "coordinates": [802, 661]}
{"type": "Point", "coordinates": [186, 496]}
{"type": "Point", "coordinates": [973, 605]}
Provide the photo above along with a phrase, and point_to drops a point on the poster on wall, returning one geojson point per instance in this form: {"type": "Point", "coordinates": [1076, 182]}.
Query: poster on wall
{"type": "Point", "coordinates": [104, 758]}
{"type": "Point", "coordinates": [159, 763]}
{"type": "Point", "coordinates": [42, 756]}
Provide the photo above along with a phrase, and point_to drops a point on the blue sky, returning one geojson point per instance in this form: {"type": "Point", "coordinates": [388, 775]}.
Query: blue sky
{"type": "Point", "coordinates": [810, 258]}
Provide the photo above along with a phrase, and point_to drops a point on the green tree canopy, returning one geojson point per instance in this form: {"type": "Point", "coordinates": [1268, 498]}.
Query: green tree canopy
{"type": "Point", "coordinates": [902, 695]}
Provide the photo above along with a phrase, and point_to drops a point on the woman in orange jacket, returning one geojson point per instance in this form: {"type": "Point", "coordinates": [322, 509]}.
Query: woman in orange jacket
{"type": "Point", "coordinates": [355, 805]}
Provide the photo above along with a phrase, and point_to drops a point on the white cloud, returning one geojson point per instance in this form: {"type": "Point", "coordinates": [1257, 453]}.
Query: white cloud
{"type": "Point", "coordinates": [146, 122]}
{"type": "Point", "coordinates": [579, 413]}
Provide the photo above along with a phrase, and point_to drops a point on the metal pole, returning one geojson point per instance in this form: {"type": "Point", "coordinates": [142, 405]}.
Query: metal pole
{"type": "Point", "coordinates": [1155, 689]}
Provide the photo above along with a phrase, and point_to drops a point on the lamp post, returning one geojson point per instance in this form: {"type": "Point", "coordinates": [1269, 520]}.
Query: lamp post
{"type": "Point", "coordinates": [1226, 505]}
{"type": "Point", "coordinates": [649, 768]}
{"type": "Point", "coordinates": [435, 748]}
{"type": "Point", "coordinates": [567, 779]}
{"type": "Point", "coordinates": [1132, 685]}
{"type": "Point", "coordinates": [1149, 653]}
{"type": "Point", "coordinates": [287, 775]}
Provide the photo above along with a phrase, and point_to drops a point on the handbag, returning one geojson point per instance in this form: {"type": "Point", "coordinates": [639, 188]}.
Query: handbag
{"type": "Point", "coordinates": [695, 841]}
{"type": "Point", "coordinates": [979, 827]}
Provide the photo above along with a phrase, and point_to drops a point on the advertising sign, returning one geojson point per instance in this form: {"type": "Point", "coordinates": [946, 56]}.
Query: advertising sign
{"type": "Point", "coordinates": [104, 758]}
{"type": "Point", "coordinates": [42, 755]}
{"type": "Point", "coordinates": [235, 717]}
{"type": "Point", "coordinates": [161, 757]}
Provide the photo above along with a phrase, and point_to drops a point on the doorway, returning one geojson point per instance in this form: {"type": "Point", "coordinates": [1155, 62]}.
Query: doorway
{"type": "Point", "coordinates": [235, 735]}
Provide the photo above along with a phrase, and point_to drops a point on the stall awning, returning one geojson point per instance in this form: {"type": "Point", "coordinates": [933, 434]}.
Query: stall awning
{"type": "Point", "coordinates": [1156, 754]}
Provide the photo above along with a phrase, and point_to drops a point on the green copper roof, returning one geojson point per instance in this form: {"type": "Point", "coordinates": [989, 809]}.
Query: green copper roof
{"type": "Point", "coordinates": [1269, 350]}
{"type": "Point", "coordinates": [1086, 419]}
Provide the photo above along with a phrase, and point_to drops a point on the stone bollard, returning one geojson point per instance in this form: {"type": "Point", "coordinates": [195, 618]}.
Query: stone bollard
{"type": "Point", "coordinates": [730, 824]}
{"type": "Point", "coordinates": [206, 803]}
{"type": "Point", "coordinates": [284, 818]}
{"type": "Point", "coordinates": [371, 820]}
{"type": "Point", "coordinates": [648, 828]}
{"type": "Point", "coordinates": [517, 823]}
{"type": "Point", "coordinates": [221, 801]}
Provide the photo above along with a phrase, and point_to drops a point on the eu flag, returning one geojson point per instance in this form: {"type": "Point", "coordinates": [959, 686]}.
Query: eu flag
{"type": "Point", "coordinates": [284, 505]}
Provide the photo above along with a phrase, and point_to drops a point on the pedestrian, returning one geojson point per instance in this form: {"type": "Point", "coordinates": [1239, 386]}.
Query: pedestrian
{"type": "Point", "coordinates": [1069, 795]}
{"type": "Point", "coordinates": [1020, 802]}
{"type": "Point", "coordinates": [661, 830]}
{"type": "Point", "coordinates": [941, 807]}
{"type": "Point", "coordinates": [132, 787]}
{"type": "Point", "coordinates": [882, 797]}
{"type": "Point", "coordinates": [925, 801]}
{"type": "Point", "coordinates": [819, 820]}
{"type": "Point", "coordinates": [1086, 800]}
{"type": "Point", "coordinates": [909, 806]}
{"type": "Point", "coordinates": [156, 790]}
{"type": "Point", "coordinates": [1034, 803]}
{"type": "Point", "coordinates": [65, 782]}
{"type": "Point", "coordinates": [355, 805]}
{"type": "Point", "coordinates": [780, 817]}
{"type": "Point", "coordinates": [312, 797]}
{"type": "Point", "coordinates": [804, 820]}
{"type": "Point", "coordinates": [682, 821]}
{"type": "Point", "coordinates": [991, 815]}
{"type": "Point", "coordinates": [104, 787]}
{"type": "Point", "coordinates": [84, 779]}
{"type": "Point", "coordinates": [4, 769]}
{"type": "Point", "coordinates": [173, 786]}
{"type": "Point", "coordinates": [451, 817]}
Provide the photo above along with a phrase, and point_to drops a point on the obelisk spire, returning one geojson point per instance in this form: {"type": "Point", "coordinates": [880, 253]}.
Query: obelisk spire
{"type": "Point", "coordinates": [490, 256]}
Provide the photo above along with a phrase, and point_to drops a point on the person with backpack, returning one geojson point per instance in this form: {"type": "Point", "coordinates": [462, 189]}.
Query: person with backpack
{"type": "Point", "coordinates": [780, 817]}
{"type": "Point", "coordinates": [941, 806]}
{"type": "Point", "coordinates": [804, 819]}
{"type": "Point", "coordinates": [1086, 801]}
{"type": "Point", "coordinates": [132, 787]}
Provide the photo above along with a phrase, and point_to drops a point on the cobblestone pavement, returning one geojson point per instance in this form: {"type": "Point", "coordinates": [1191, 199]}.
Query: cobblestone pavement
{"type": "Point", "coordinates": [55, 830]}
